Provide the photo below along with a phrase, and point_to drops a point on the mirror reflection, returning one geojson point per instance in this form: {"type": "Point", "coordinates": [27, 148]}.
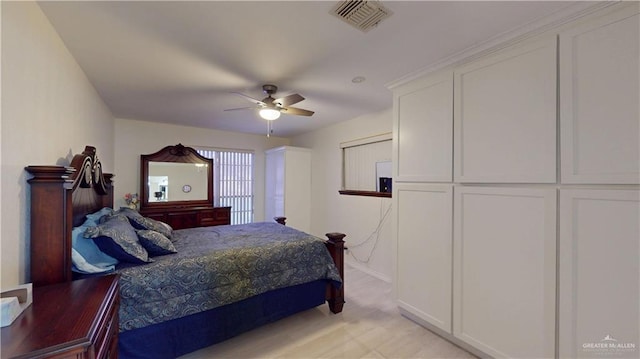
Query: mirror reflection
{"type": "Point", "coordinates": [175, 176]}
{"type": "Point", "coordinates": [173, 181]}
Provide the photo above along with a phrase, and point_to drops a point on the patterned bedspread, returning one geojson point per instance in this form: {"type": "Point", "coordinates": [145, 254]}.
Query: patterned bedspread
{"type": "Point", "coordinates": [219, 265]}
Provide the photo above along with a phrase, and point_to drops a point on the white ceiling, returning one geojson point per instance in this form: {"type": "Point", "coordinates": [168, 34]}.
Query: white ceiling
{"type": "Point", "coordinates": [177, 62]}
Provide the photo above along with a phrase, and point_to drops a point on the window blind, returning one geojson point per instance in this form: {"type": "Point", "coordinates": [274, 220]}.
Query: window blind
{"type": "Point", "coordinates": [233, 182]}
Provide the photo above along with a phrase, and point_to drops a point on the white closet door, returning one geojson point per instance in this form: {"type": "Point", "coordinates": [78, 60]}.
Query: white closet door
{"type": "Point", "coordinates": [599, 99]}
{"type": "Point", "coordinates": [297, 188]}
{"type": "Point", "coordinates": [505, 270]}
{"type": "Point", "coordinates": [288, 186]}
{"type": "Point", "coordinates": [505, 116]}
{"type": "Point", "coordinates": [274, 184]}
{"type": "Point", "coordinates": [599, 277]}
{"type": "Point", "coordinates": [424, 251]}
{"type": "Point", "coordinates": [423, 129]}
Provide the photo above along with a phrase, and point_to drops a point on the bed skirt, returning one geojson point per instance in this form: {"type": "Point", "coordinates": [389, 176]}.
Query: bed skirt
{"type": "Point", "coordinates": [187, 334]}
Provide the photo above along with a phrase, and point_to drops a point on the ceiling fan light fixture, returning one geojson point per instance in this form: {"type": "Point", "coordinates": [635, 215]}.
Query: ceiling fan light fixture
{"type": "Point", "coordinates": [269, 114]}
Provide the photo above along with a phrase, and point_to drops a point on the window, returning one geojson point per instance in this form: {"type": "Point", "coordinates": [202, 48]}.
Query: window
{"type": "Point", "coordinates": [232, 182]}
{"type": "Point", "coordinates": [366, 165]}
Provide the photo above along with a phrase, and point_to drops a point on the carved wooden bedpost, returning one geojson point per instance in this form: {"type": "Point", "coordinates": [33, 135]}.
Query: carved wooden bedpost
{"type": "Point", "coordinates": [51, 222]}
{"type": "Point", "coordinates": [335, 245]}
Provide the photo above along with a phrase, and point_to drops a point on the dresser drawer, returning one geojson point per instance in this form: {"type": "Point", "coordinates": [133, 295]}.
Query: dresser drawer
{"type": "Point", "coordinates": [215, 216]}
{"type": "Point", "coordinates": [190, 217]}
{"type": "Point", "coordinates": [106, 346]}
{"type": "Point", "coordinates": [181, 220]}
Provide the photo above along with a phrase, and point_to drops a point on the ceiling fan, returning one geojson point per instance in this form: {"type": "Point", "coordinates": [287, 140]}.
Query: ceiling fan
{"type": "Point", "coordinates": [270, 108]}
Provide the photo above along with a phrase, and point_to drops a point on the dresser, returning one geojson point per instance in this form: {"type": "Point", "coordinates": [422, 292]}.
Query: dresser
{"type": "Point", "coordinates": [189, 217]}
{"type": "Point", "coordinates": [77, 319]}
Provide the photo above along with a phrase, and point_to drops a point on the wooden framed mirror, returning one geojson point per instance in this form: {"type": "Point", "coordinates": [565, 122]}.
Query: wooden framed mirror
{"type": "Point", "coordinates": [175, 176]}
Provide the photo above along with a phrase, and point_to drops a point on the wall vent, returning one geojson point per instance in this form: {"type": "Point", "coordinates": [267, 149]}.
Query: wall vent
{"type": "Point", "coordinates": [361, 14]}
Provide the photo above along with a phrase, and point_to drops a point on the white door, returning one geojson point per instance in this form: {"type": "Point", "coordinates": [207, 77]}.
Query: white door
{"type": "Point", "coordinates": [599, 100]}
{"type": "Point", "coordinates": [505, 116]}
{"type": "Point", "coordinates": [505, 270]}
{"type": "Point", "coordinates": [599, 307]}
{"type": "Point", "coordinates": [424, 251]}
{"type": "Point", "coordinates": [423, 129]}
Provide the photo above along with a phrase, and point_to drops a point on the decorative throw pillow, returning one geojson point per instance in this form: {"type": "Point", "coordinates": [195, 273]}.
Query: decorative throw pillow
{"type": "Point", "coordinates": [118, 239]}
{"type": "Point", "coordinates": [138, 221]}
{"type": "Point", "coordinates": [156, 243]}
{"type": "Point", "coordinates": [123, 211]}
{"type": "Point", "coordinates": [152, 224]}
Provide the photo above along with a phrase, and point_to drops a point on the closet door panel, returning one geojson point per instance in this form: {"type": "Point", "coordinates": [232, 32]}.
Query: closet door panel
{"type": "Point", "coordinates": [599, 273]}
{"type": "Point", "coordinates": [505, 116]}
{"type": "Point", "coordinates": [504, 270]}
{"type": "Point", "coordinates": [288, 186]}
{"type": "Point", "coordinates": [424, 251]}
{"type": "Point", "coordinates": [424, 129]}
{"type": "Point", "coordinates": [298, 188]}
{"type": "Point", "coordinates": [599, 89]}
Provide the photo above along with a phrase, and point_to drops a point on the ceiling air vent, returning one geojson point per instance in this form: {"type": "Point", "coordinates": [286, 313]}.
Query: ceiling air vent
{"type": "Point", "coordinates": [361, 14]}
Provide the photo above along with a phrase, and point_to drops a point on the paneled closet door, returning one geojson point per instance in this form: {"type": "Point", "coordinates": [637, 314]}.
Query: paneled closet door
{"type": "Point", "coordinates": [505, 116]}
{"type": "Point", "coordinates": [274, 183]}
{"type": "Point", "coordinates": [423, 129]}
{"type": "Point", "coordinates": [505, 270]}
{"type": "Point", "coordinates": [423, 215]}
{"type": "Point", "coordinates": [599, 310]}
{"type": "Point", "coordinates": [599, 92]}
{"type": "Point", "coordinates": [288, 186]}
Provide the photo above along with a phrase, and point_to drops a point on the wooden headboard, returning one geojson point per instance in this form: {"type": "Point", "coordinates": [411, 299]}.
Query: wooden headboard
{"type": "Point", "coordinates": [61, 196]}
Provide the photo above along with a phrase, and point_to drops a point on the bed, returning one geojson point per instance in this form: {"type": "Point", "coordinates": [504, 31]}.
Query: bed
{"type": "Point", "coordinates": [223, 280]}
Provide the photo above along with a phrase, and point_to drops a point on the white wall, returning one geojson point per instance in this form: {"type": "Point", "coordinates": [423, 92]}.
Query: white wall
{"type": "Point", "coordinates": [50, 111]}
{"type": "Point", "coordinates": [357, 217]}
{"type": "Point", "coordinates": [133, 138]}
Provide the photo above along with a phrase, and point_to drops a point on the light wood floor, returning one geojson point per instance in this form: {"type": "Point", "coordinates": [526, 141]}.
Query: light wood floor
{"type": "Point", "coordinates": [370, 326]}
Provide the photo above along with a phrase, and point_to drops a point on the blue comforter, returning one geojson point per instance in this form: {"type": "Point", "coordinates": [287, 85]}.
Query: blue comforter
{"type": "Point", "coordinates": [219, 265]}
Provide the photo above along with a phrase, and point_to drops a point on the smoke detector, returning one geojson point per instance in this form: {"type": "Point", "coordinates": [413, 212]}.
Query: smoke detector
{"type": "Point", "coordinates": [361, 14]}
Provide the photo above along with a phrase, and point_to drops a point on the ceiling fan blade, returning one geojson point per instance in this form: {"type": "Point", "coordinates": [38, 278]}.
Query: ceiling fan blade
{"type": "Point", "coordinates": [256, 101]}
{"type": "Point", "coordinates": [240, 108]}
{"type": "Point", "coordinates": [288, 100]}
{"type": "Point", "coordinates": [296, 111]}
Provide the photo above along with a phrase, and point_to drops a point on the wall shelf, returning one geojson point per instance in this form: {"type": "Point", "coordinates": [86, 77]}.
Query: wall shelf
{"type": "Point", "coordinates": [352, 192]}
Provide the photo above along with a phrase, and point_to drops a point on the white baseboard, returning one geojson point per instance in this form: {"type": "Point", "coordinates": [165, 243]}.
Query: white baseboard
{"type": "Point", "coordinates": [367, 270]}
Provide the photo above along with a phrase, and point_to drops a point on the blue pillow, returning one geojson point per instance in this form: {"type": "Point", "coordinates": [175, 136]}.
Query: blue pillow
{"type": "Point", "coordinates": [155, 243]}
{"type": "Point", "coordinates": [95, 217]}
{"type": "Point", "coordinates": [80, 265]}
{"type": "Point", "coordinates": [118, 239]}
{"type": "Point", "coordinates": [86, 257]}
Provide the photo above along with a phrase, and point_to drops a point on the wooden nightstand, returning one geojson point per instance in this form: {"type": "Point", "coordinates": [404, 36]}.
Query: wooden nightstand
{"type": "Point", "coordinates": [77, 319]}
